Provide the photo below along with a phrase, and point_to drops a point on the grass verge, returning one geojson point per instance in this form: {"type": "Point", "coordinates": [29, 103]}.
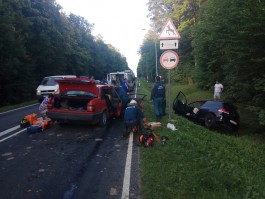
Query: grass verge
{"type": "Point", "coordinates": [11, 107]}
{"type": "Point", "coordinates": [198, 163]}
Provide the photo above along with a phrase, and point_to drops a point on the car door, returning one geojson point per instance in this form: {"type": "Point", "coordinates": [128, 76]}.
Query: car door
{"type": "Point", "coordinates": [180, 104]}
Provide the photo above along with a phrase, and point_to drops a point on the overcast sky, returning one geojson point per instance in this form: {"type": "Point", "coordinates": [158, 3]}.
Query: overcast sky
{"type": "Point", "coordinates": [120, 22]}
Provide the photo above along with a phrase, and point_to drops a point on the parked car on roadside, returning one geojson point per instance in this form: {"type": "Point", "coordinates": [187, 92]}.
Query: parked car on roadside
{"type": "Point", "coordinates": [210, 113]}
{"type": "Point", "coordinates": [82, 99]}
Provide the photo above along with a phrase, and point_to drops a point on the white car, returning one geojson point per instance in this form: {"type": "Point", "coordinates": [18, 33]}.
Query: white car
{"type": "Point", "coordinates": [49, 85]}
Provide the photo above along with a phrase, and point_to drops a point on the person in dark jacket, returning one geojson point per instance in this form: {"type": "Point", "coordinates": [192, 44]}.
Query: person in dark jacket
{"type": "Point", "coordinates": [125, 85]}
{"type": "Point", "coordinates": [158, 95]}
{"type": "Point", "coordinates": [123, 95]}
{"type": "Point", "coordinates": [132, 117]}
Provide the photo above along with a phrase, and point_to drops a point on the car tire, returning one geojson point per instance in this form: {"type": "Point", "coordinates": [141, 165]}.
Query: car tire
{"type": "Point", "coordinates": [103, 119]}
{"type": "Point", "coordinates": [209, 120]}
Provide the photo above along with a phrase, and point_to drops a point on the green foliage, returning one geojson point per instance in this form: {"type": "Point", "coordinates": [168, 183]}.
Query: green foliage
{"type": "Point", "coordinates": [198, 163]}
{"type": "Point", "coordinates": [38, 40]}
{"type": "Point", "coordinates": [147, 63]}
{"type": "Point", "coordinates": [220, 40]}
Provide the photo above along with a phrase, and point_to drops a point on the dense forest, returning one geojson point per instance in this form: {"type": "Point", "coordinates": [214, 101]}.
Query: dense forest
{"type": "Point", "coordinates": [37, 39]}
{"type": "Point", "coordinates": [220, 40]}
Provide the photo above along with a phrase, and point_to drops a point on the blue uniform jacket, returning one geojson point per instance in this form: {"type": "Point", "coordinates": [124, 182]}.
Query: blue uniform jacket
{"type": "Point", "coordinates": [133, 114]}
{"type": "Point", "coordinates": [158, 91]}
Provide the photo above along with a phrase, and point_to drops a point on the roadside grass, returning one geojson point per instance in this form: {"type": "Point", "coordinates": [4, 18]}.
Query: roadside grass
{"type": "Point", "coordinates": [11, 107]}
{"type": "Point", "coordinates": [198, 163]}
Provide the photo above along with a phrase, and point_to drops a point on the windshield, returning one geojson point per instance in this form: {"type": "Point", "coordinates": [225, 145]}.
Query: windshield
{"type": "Point", "coordinates": [83, 94]}
{"type": "Point", "coordinates": [50, 81]}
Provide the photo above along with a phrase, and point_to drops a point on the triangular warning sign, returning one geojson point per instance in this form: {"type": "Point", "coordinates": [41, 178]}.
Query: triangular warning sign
{"type": "Point", "coordinates": [169, 31]}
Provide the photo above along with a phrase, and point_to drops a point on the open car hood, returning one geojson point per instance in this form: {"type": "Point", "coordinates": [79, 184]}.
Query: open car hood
{"type": "Point", "coordinates": [78, 84]}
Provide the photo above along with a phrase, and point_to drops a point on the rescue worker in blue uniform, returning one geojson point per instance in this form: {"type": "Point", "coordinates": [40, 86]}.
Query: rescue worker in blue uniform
{"type": "Point", "coordinates": [122, 94]}
{"type": "Point", "coordinates": [158, 95]}
{"type": "Point", "coordinates": [132, 117]}
{"type": "Point", "coordinates": [125, 85]}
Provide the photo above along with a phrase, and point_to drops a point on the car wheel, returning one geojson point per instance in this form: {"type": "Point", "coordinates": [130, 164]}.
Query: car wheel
{"type": "Point", "coordinates": [209, 120]}
{"type": "Point", "coordinates": [103, 119]}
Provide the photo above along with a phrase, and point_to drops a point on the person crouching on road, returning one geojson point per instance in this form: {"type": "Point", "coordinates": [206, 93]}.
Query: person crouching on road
{"type": "Point", "coordinates": [43, 106]}
{"type": "Point", "coordinates": [132, 117]}
{"type": "Point", "coordinates": [158, 95]}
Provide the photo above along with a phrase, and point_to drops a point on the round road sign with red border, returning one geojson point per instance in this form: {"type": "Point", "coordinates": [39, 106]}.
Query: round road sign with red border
{"type": "Point", "coordinates": [169, 59]}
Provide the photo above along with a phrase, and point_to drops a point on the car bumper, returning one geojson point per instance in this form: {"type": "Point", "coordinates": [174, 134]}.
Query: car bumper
{"type": "Point", "coordinates": [59, 116]}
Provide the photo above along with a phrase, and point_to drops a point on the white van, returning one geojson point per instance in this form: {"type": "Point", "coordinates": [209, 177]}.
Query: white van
{"type": "Point", "coordinates": [49, 85]}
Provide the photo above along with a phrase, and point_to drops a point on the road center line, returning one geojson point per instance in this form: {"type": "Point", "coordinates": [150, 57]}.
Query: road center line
{"type": "Point", "coordinates": [9, 130]}
{"type": "Point", "coordinates": [13, 135]}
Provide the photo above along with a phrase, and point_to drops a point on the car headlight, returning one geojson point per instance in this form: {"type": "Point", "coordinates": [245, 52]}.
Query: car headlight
{"type": "Point", "coordinates": [38, 92]}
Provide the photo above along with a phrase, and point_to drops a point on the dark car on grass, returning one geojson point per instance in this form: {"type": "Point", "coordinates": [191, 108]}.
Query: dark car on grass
{"type": "Point", "coordinates": [212, 114]}
{"type": "Point", "coordinates": [82, 99]}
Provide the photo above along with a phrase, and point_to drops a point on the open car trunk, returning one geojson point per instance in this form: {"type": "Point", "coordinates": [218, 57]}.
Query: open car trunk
{"type": "Point", "coordinates": [67, 103]}
{"type": "Point", "coordinates": [75, 94]}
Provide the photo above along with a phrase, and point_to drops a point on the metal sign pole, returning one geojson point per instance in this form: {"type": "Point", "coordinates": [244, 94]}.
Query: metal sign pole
{"type": "Point", "coordinates": [169, 88]}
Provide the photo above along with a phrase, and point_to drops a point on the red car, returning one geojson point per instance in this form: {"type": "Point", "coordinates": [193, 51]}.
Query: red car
{"type": "Point", "coordinates": [81, 99]}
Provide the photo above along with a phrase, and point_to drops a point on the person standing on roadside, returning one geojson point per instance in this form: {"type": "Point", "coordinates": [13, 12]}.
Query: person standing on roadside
{"type": "Point", "coordinates": [125, 85]}
{"type": "Point", "coordinates": [123, 95]}
{"type": "Point", "coordinates": [43, 106]}
{"type": "Point", "coordinates": [158, 95]}
{"type": "Point", "coordinates": [218, 88]}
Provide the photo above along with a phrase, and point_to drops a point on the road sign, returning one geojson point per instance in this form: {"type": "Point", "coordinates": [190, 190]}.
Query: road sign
{"type": "Point", "coordinates": [169, 31]}
{"type": "Point", "coordinates": [169, 59]}
{"type": "Point", "coordinates": [169, 44]}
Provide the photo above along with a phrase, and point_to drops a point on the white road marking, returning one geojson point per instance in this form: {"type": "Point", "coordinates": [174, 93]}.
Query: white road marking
{"type": "Point", "coordinates": [9, 130]}
{"type": "Point", "coordinates": [17, 109]}
{"type": "Point", "coordinates": [127, 172]}
{"type": "Point", "coordinates": [13, 135]}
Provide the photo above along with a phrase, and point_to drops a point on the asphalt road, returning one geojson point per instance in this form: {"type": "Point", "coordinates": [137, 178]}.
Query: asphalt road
{"type": "Point", "coordinates": [67, 161]}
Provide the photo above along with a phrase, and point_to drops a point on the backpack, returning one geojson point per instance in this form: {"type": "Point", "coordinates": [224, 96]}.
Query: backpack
{"type": "Point", "coordinates": [34, 129]}
{"type": "Point", "coordinates": [24, 123]}
{"type": "Point", "coordinates": [147, 139]}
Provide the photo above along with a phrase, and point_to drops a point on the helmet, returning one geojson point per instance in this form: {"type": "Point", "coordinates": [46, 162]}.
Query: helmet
{"type": "Point", "coordinates": [133, 102]}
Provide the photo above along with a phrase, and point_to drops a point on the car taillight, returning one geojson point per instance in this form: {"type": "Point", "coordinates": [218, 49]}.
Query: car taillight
{"type": "Point", "coordinates": [90, 108]}
{"type": "Point", "coordinates": [223, 110]}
